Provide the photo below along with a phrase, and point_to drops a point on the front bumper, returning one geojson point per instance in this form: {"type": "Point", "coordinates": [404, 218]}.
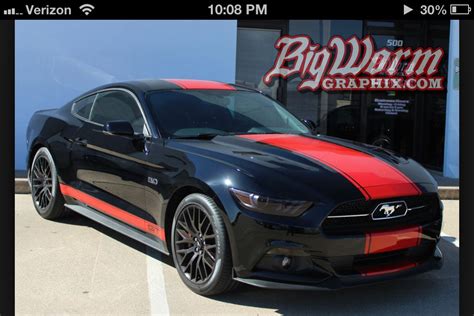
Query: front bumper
{"type": "Point", "coordinates": [269, 281]}
{"type": "Point", "coordinates": [321, 261]}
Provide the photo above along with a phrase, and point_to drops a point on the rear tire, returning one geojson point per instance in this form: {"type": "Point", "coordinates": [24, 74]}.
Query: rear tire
{"type": "Point", "coordinates": [200, 246]}
{"type": "Point", "coordinates": [47, 198]}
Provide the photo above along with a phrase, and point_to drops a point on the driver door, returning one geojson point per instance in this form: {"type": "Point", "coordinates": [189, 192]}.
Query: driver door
{"type": "Point", "coordinates": [112, 167]}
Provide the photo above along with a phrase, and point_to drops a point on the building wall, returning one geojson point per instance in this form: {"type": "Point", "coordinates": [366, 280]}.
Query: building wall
{"type": "Point", "coordinates": [451, 146]}
{"type": "Point", "coordinates": [56, 61]}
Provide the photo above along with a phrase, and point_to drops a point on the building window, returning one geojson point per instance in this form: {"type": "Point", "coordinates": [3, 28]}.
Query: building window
{"type": "Point", "coordinates": [255, 55]}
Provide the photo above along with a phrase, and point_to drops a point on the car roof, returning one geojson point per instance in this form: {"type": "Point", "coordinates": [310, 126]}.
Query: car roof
{"type": "Point", "coordinates": [147, 85]}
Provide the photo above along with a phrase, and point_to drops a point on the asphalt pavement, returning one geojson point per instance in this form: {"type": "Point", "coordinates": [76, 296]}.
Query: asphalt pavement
{"type": "Point", "coordinates": [76, 266]}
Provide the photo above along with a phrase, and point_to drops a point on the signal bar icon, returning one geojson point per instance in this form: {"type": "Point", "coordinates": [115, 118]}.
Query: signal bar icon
{"type": "Point", "coordinates": [11, 12]}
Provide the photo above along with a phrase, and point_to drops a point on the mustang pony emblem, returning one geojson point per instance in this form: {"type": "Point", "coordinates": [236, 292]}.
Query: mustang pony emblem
{"type": "Point", "coordinates": [389, 210]}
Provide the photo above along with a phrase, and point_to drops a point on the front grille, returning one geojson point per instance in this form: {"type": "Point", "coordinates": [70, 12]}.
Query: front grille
{"type": "Point", "coordinates": [364, 224]}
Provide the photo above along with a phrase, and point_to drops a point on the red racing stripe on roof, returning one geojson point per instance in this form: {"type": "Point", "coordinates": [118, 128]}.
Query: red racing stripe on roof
{"type": "Point", "coordinates": [374, 178]}
{"type": "Point", "coordinates": [191, 84]}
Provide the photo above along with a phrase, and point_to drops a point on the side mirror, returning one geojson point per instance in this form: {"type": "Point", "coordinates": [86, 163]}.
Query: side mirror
{"type": "Point", "coordinates": [309, 124]}
{"type": "Point", "coordinates": [121, 128]}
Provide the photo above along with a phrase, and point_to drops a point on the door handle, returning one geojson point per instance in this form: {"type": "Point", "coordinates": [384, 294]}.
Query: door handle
{"type": "Point", "coordinates": [81, 141]}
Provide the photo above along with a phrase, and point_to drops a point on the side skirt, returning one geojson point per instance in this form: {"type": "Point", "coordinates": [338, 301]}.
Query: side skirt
{"type": "Point", "coordinates": [117, 226]}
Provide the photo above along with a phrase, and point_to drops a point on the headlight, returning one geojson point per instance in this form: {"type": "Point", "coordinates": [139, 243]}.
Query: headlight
{"type": "Point", "coordinates": [271, 206]}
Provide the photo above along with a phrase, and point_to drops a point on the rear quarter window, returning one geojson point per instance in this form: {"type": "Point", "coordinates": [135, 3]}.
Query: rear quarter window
{"type": "Point", "coordinates": [83, 107]}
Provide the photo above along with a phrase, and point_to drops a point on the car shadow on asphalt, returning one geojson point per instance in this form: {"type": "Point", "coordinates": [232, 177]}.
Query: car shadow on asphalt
{"type": "Point", "coordinates": [435, 292]}
{"type": "Point", "coordinates": [77, 219]}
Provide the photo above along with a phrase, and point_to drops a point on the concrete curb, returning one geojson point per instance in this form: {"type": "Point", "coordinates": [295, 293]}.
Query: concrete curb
{"type": "Point", "coordinates": [21, 186]}
{"type": "Point", "coordinates": [446, 193]}
{"type": "Point", "coordinates": [449, 193]}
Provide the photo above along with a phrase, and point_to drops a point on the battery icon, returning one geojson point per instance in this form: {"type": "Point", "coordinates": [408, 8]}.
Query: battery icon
{"type": "Point", "coordinates": [460, 9]}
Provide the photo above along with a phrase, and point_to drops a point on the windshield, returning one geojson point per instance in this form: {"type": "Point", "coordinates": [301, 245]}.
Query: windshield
{"type": "Point", "coordinates": [188, 113]}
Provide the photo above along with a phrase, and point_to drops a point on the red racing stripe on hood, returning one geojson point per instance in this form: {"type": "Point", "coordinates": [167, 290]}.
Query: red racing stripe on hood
{"type": "Point", "coordinates": [190, 84]}
{"type": "Point", "coordinates": [374, 178]}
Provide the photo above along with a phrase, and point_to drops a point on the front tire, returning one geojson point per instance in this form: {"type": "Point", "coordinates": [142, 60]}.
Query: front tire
{"type": "Point", "coordinates": [200, 246]}
{"type": "Point", "coordinates": [47, 198]}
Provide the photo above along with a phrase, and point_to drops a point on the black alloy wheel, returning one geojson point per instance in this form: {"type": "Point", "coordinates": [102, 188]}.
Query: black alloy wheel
{"type": "Point", "coordinates": [195, 244]}
{"type": "Point", "coordinates": [200, 246]}
{"type": "Point", "coordinates": [43, 178]}
{"type": "Point", "coordinates": [42, 183]}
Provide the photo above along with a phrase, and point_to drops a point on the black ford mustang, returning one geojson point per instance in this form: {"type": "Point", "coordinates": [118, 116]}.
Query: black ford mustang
{"type": "Point", "coordinates": [236, 188]}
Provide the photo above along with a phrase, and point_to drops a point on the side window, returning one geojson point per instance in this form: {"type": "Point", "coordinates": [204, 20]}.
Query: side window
{"type": "Point", "coordinates": [83, 107]}
{"type": "Point", "coordinates": [117, 106]}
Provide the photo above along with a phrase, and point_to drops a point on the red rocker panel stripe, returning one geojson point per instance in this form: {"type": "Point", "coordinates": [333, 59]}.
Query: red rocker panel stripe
{"type": "Point", "coordinates": [392, 240]}
{"type": "Point", "coordinates": [114, 211]}
{"type": "Point", "coordinates": [374, 178]}
{"type": "Point", "coordinates": [200, 84]}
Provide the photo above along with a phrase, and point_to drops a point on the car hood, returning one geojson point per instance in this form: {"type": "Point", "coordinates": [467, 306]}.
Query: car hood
{"type": "Point", "coordinates": [316, 166]}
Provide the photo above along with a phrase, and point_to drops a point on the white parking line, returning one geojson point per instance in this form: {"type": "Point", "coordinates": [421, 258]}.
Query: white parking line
{"type": "Point", "coordinates": [156, 284]}
{"type": "Point", "coordinates": [449, 239]}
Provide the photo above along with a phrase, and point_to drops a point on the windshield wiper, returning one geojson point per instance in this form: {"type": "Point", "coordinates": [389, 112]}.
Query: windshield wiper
{"type": "Point", "coordinates": [256, 133]}
{"type": "Point", "coordinates": [198, 136]}
{"type": "Point", "coordinates": [212, 135]}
